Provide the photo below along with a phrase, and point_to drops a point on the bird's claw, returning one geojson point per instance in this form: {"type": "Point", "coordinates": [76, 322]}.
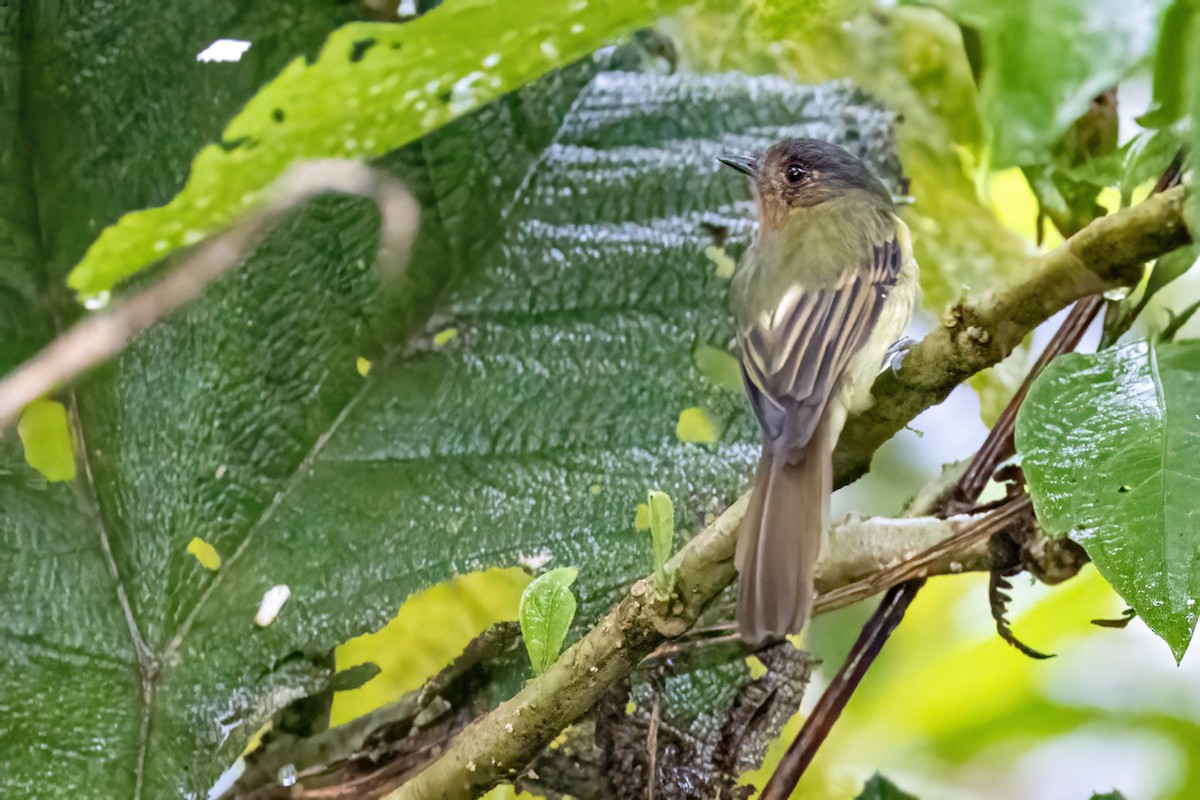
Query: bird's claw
{"type": "Point", "coordinates": [895, 354]}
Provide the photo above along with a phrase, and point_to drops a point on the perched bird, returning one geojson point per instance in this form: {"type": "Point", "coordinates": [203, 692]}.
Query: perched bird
{"type": "Point", "coordinates": [819, 300]}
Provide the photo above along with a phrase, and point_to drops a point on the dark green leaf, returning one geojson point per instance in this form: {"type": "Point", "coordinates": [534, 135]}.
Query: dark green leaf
{"type": "Point", "coordinates": [1069, 51]}
{"type": "Point", "coordinates": [1110, 445]}
{"type": "Point", "coordinates": [880, 788]}
{"type": "Point", "coordinates": [355, 677]}
{"type": "Point", "coordinates": [1113, 795]}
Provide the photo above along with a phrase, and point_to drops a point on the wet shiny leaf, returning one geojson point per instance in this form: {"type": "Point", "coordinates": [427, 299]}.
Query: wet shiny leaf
{"type": "Point", "coordinates": [563, 241]}
{"type": "Point", "coordinates": [1110, 446]}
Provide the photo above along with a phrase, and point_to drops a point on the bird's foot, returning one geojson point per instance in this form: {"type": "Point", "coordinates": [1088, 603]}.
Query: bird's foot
{"type": "Point", "coordinates": [895, 354]}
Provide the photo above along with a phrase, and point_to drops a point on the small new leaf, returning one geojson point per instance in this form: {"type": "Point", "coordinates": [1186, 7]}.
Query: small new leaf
{"type": "Point", "coordinates": [546, 611]}
{"type": "Point", "coordinates": [662, 535]}
{"type": "Point", "coordinates": [880, 788]}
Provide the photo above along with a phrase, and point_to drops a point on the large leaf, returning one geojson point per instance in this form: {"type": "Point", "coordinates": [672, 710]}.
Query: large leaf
{"type": "Point", "coordinates": [373, 88]}
{"type": "Point", "coordinates": [1111, 450]}
{"type": "Point", "coordinates": [528, 416]}
{"type": "Point", "coordinates": [1044, 60]}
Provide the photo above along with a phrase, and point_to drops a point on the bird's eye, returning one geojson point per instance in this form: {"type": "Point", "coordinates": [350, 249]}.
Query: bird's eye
{"type": "Point", "coordinates": [794, 173]}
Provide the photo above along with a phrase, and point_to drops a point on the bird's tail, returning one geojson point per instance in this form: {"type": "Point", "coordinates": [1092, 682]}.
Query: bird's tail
{"type": "Point", "coordinates": [780, 538]}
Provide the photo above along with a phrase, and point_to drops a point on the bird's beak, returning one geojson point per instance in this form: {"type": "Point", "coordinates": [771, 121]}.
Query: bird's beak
{"type": "Point", "coordinates": [743, 164]}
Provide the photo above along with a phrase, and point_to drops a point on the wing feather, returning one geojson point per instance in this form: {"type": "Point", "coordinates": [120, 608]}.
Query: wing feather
{"type": "Point", "coordinates": [794, 355]}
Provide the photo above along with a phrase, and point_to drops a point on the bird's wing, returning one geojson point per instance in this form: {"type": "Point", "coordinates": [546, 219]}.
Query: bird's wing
{"type": "Point", "coordinates": [794, 354]}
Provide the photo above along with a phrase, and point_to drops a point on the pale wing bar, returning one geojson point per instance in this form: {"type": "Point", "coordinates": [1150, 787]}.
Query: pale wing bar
{"type": "Point", "coordinates": [793, 357]}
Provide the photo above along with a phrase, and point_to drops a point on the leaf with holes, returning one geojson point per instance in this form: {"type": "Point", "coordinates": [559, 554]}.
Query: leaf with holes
{"type": "Point", "coordinates": [517, 405]}
{"type": "Point", "coordinates": [1110, 445]}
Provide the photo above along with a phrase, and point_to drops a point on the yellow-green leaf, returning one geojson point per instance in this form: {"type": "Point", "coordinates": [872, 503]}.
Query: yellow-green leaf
{"type": "Point", "coordinates": [695, 425]}
{"type": "Point", "coordinates": [205, 553]}
{"type": "Point", "coordinates": [46, 435]}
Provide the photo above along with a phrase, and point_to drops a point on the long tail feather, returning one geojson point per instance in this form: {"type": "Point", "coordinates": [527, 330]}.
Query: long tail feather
{"type": "Point", "coordinates": [780, 539]}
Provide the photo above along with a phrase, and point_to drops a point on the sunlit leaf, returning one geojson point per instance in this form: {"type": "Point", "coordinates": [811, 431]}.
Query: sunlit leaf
{"type": "Point", "coordinates": [662, 535]}
{"type": "Point", "coordinates": [373, 88]}
{"type": "Point", "coordinates": [546, 612]}
{"type": "Point", "coordinates": [46, 434]}
{"type": "Point", "coordinates": [1110, 445]}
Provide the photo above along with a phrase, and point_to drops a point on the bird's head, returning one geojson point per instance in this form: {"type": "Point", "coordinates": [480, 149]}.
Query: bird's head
{"type": "Point", "coordinates": [796, 174]}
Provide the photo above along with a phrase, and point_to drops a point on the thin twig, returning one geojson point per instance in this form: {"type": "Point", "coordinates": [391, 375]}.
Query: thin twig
{"type": "Point", "coordinates": [100, 337]}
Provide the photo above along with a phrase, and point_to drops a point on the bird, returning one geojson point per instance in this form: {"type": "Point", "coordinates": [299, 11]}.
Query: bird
{"type": "Point", "coordinates": [820, 302]}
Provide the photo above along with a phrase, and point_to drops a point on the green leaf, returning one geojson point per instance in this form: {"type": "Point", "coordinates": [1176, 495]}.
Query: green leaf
{"type": "Point", "coordinates": [719, 367]}
{"type": "Point", "coordinates": [662, 535]}
{"type": "Point", "coordinates": [546, 612]}
{"type": "Point", "coordinates": [1166, 269]}
{"type": "Point", "coordinates": [373, 88]}
{"type": "Point", "coordinates": [1113, 795]}
{"type": "Point", "coordinates": [46, 434]}
{"type": "Point", "coordinates": [1171, 60]}
{"type": "Point", "coordinates": [1069, 52]}
{"type": "Point", "coordinates": [880, 788]}
{"type": "Point", "coordinates": [562, 238]}
{"type": "Point", "coordinates": [1110, 445]}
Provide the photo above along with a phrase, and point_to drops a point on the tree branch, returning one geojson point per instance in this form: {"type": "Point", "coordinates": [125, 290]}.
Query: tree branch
{"type": "Point", "coordinates": [499, 745]}
{"type": "Point", "coordinates": [1109, 252]}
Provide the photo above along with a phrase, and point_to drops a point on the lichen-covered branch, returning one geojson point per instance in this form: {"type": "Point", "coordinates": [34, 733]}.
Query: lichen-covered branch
{"type": "Point", "coordinates": [500, 744]}
{"type": "Point", "coordinates": [1109, 252]}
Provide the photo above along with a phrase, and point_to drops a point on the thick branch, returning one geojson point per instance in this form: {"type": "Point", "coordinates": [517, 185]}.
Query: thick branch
{"type": "Point", "coordinates": [1109, 252]}
{"type": "Point", "coordinates": [499, 745]}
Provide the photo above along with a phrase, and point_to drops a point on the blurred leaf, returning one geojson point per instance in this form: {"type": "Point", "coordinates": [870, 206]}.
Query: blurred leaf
{"type": "Point", "coordinates": [356, 677]}
{"type": "Point", "coordinates": [1108, 796]}
{"type": "Point", "coordinates": [1110, 447]}
{"type": "Point", "coordinates": [1166, 269]}
{"type": "Point", "coordinates": [880, 788]}
{"type": "Point", "coordinates": [719, 366]}
{"type": "Point", "coordinates": [373, 88]}
{"type": "Point", "coordinates": [563, 239]}
{"type": "Point", "coordinates": [1147, 156]}
{"type": "Point", "coordinates": [1171, 62]}
{"type": "Point", "coordinates": [662, 534]}
{"type": "Point", "coordinates": [546, 612]}
{"type": "Point", "coordinates": [1069, 52]}
{"type": "Point", "coordinates": [46, 434]}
